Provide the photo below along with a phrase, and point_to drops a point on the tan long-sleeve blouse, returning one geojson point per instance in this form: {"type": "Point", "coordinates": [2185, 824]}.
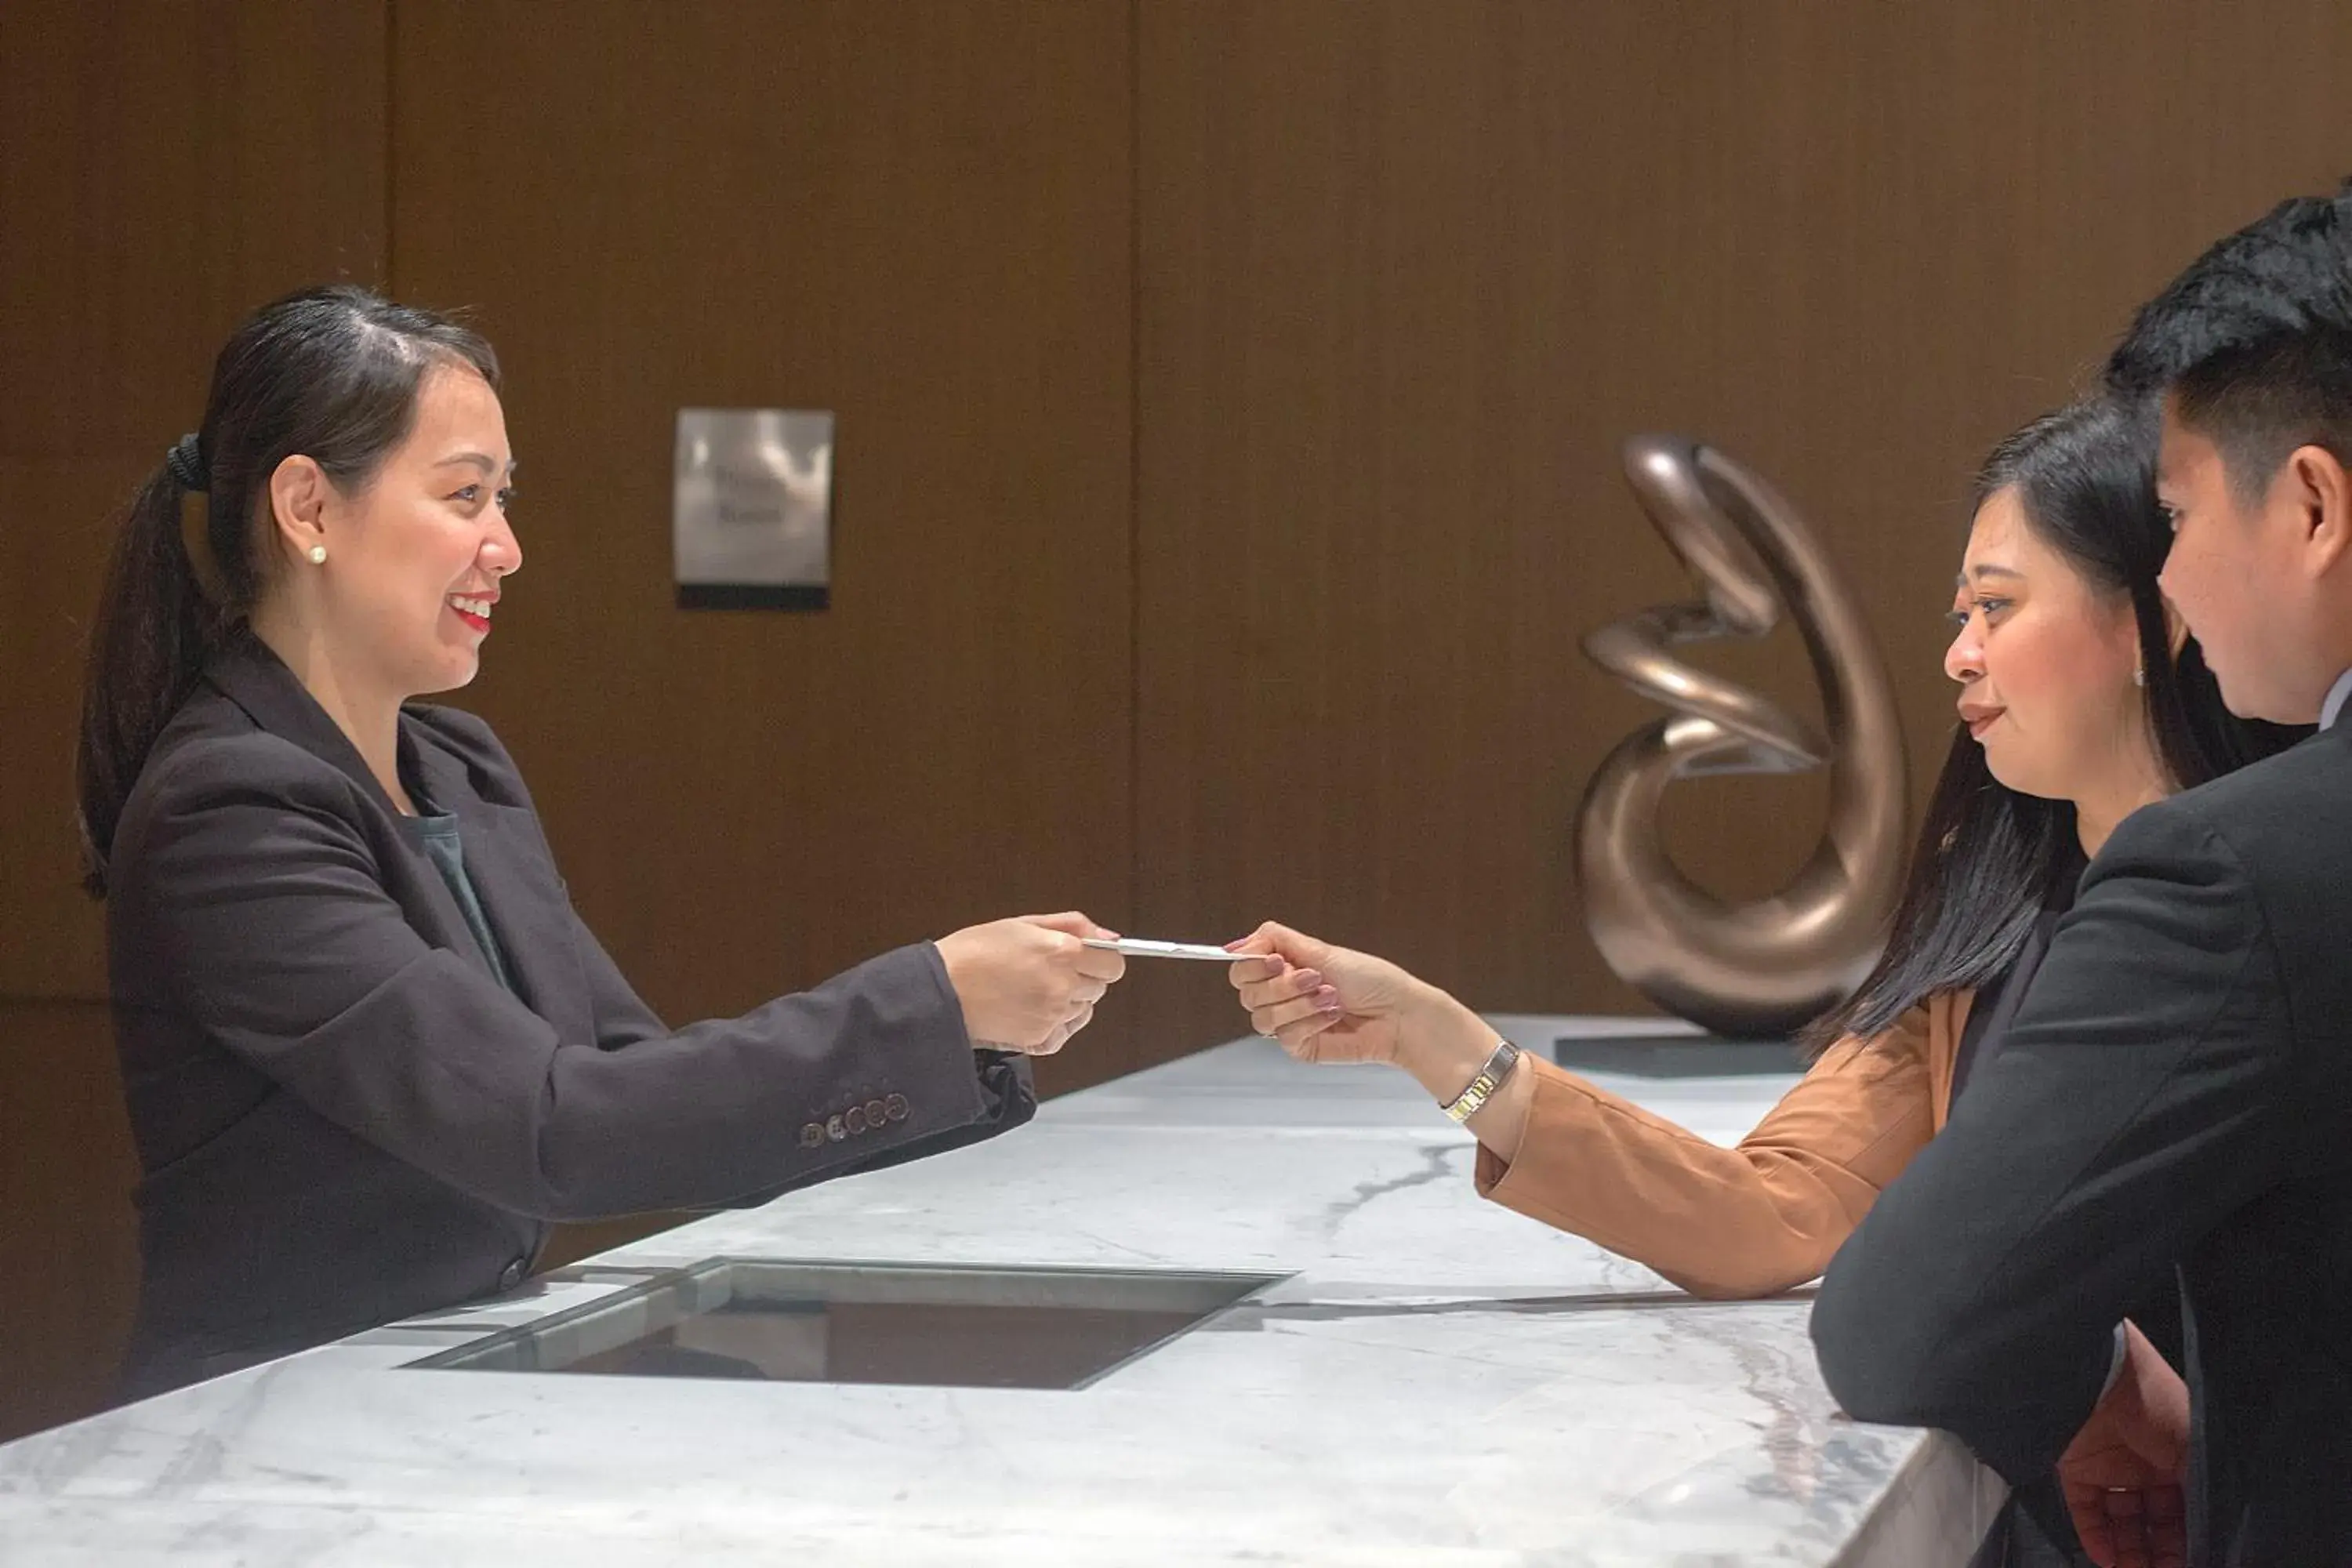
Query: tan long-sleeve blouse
{"type": "Point", "coordinates": [1753, 1219]}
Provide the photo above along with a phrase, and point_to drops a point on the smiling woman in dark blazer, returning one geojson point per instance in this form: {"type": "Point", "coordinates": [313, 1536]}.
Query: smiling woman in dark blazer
{"type": "Point", "coordinates": [369, 1050]}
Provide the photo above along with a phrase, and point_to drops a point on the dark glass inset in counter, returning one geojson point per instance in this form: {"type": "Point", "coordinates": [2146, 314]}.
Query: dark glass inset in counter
{"type": "Point", "coordinates": [778, 1320]}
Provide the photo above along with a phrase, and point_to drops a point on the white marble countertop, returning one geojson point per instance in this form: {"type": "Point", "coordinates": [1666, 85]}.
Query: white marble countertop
{"type": "Point", "coordinates": [1437, 1381]}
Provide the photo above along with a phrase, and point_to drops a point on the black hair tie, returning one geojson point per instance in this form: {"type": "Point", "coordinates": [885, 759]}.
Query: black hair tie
{"type": "Point", "coordinates": [186, 462]}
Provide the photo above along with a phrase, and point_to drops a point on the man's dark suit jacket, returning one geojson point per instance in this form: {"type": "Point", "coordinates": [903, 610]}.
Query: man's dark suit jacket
{"type": "Point", "coordinates": [344, 1117]}
{"type": "Point", "coordinates": [2176, 1092]}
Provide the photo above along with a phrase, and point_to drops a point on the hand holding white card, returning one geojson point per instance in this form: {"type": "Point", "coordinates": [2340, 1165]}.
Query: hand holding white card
{"type": "Point", "coordinates": [1144, 947]}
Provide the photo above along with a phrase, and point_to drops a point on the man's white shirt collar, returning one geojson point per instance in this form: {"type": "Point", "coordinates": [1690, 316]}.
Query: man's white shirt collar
{"type": "Point", "coordinates": [2337, 695]}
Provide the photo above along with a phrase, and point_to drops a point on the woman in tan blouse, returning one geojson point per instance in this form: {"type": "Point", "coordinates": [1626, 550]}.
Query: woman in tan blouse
{"type": "Point", "coordinates": [2080, 700]}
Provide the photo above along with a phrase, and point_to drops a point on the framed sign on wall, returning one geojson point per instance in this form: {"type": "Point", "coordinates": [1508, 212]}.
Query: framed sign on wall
{"type": "Point", "coordinates": [751, 523]}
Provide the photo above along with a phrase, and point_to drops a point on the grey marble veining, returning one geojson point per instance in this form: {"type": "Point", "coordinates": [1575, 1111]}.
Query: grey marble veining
{"type": "Point", "coordinates": [1433, 1381]}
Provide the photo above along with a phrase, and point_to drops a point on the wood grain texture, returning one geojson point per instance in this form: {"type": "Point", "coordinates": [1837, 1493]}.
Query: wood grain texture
{"type": "Point", "coordinates": [1409, 271]}
{"type": "Point", "coordinates": [164, 167]}
{"type": "Point", "coordinates": [916, 217]}
{"type": "Point", "coordinates": [67, 1166]}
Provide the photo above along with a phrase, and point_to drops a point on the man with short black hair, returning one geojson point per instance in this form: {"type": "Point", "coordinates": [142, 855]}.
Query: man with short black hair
{"type": "Point", "coordinates": [2175, 1091]}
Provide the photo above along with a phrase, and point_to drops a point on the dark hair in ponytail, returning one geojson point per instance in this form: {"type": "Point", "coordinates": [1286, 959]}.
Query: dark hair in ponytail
{"type": "Point", "coordinates": [330, 373]}
{"type": "Point", "coordinates": [1990, 859]}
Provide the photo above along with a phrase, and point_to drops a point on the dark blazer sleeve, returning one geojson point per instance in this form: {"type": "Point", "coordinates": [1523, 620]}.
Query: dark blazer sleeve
{"type": "Point", "coordinates": [1008, 1093]}
{"type": "Point", "coordinates": [257, 905]}
{"type": "Point", "coordinates": [2143, 1097]}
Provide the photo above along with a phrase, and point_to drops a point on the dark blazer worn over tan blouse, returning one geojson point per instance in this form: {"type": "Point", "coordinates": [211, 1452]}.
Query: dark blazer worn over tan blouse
{"type": "Point", "coordinates": [344, 1117]}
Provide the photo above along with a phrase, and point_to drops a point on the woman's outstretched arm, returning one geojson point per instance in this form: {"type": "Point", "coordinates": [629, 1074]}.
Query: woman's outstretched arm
{"type": "Point", "coordinates": [1751, 1220]}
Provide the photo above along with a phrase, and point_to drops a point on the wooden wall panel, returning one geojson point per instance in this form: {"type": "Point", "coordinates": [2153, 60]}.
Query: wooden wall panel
{"type": "Point", "coordinates": [165, 165]}
{"type": "Point", "coordinates": [916, 216]}
{"type": "Point", "coordinates": [67, 1166]}
{"type": "Point", "coordinates": [1408, 271]}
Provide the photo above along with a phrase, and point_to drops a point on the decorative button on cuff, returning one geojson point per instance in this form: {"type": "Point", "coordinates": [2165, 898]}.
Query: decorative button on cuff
{"type": "Point", "coordinates": [855, 1121]}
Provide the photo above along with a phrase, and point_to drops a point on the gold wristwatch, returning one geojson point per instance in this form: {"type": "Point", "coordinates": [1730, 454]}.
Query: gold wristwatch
{"type": "Point", "coordinates": [1490, 1077]}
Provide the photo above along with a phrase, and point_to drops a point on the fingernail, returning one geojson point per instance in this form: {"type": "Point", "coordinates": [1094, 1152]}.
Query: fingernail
{"type": "Point", "coordinates": [1307, 979]}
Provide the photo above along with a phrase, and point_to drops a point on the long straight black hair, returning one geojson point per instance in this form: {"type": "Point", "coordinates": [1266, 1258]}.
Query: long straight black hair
{"type": "Point", "coordinates": [1989, 860]}
{"type": "Point", "coordinates": [331, 373]}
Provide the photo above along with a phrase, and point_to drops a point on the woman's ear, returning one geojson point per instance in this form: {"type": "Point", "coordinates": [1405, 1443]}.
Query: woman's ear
{"type": "Point", "coordinates": [298, 493]}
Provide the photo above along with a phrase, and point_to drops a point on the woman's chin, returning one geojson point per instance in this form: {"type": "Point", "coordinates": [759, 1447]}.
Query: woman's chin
{"type": "Point", "coordinates": [453, 672]}
{"type": "Point", "coordinates": [2022, 781]}
{"type": "Point", "coordinates": [2006, 773]}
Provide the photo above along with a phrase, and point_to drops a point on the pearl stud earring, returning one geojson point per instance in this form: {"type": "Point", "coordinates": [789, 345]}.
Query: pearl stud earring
{"type": "Point", "coordinates": [318, 556]}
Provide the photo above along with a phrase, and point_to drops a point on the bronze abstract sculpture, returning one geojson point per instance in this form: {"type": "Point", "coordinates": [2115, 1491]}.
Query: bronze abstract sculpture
{"type": "Point", "coordinates": [1764, 967]}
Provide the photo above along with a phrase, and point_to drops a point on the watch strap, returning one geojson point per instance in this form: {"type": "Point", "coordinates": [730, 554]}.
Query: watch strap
{"type": "Point", "coordinates": [1482, 1088]}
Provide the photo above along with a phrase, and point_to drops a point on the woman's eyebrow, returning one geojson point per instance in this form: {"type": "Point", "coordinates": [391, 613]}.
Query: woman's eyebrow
{"type": "Point", "coordinates": [1986, 569]}
{"type": "Point", "coordinates": [482, 460]}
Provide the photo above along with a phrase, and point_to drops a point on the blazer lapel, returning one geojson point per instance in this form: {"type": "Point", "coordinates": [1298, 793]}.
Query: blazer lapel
{"type": "Point", "coordinates": [256, 680]}
{"type": "Point", "coordinates": [520, 896]}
